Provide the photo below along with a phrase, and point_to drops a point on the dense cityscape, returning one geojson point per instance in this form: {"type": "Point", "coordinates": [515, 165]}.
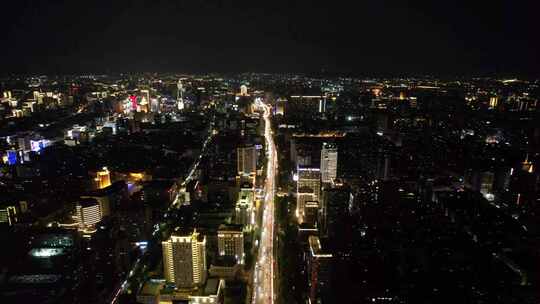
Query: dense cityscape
{"type": "Point", "coordinates": [264, 188]}
{"type": "Point", "coordinates": [270, 152]}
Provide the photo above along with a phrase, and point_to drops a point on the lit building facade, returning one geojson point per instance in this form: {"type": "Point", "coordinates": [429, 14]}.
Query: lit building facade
{"type": "Point", "coordinates": [88, 213]}
{"type": "Point", "coordinates": [244, 208]}
{"type": "Point", "coordinates": [246, 160]}
{"type": "Point", "coordinates": [243, 90]}
{"type": "Point", "coordinates": [319, 267]}
{"type": "Point", "coordinates": [308, 189]}
{"type": "Point", "coordinates": [8, 215]}
{"type": "Point", "coordinates": [231, 242]}
{"type": "Point", "coordinates": [184, 260]}
{"type": "Point", "coordinates": [329, 161]}
{"type": "Point", "coordinates": [311, 213]}
{"type": "Point", "coordinates": [103, 178]}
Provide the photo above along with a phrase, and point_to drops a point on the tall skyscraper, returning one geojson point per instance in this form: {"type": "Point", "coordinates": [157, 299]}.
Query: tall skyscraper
{"type": "Point", "coordinates": [322, 105]}
{"type": "Point", "coordinates": [243, 90]}
{"type": "Point", "coordinates": [180, 95]}
{"type": "Point", "coordinates": [103, 178]}
{"type": "Point", "coordinates": [88, 213]}
{"type": "Point", "coordinates": [336, 203]}
{"type": "Point", "coordinates": [246, 160]}
{"type": "Point", "coordinates": [311, 213]}
{"type": "Point", "coordinates": [231, 242]}
{"type": "Point", "coordinates": [319, 267]}
{"type": "Point", "coordinates": [308, 189]}
{"type": "Point", "coordinates": [145, 101]}
{"type": "Point", "coordinates": [8, 215]}
{"type": "Point", "coordinates": [329, 159]}
{"type": "Point", "coordinates": [244, 208]}
{"type": "Point", "coordinates": [184, 259]}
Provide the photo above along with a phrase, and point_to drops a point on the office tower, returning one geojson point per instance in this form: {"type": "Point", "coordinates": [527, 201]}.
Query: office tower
{"type": "Point", "coordinates": [493, 102]}
{"type": "Point", "coordinates": [155, 105]}
{"type": "Point", "coordinates": [279, 108]}
{"type": "Point", "coordinates": [184, 259]}
{"type": "Point", "coordinates": [322, 105]}
{"type": "Point", "coordinates": [329, 158]}
{"type": "Point", "coordinates": [24, 143]}
{"type": "Point", "coordinates": [311, 213]}
{"type": "Point", "coordinates": [244, 208]}
{"type": "Point", "coordinates": [8, 215]}
{"type": "Point", "coordinates": [486, 184]}
{"type": "Point", "coordinates": [246, 157]}
{"type": "Point", "coordinates": [231, 242]}
{"type": "Point", "coordinates": [308, 189]}
{"type": "Point", "coordinates": [88, 213]}
{"type": "Point", "coordinates": [103, 178]}
{"type": "Point", "coordinates": [145, 100]}
{"type": "Point", "coordinates": [306, 105]}
{"type": "Point", "coordinates": [303, 196]}
{"type": "Point", "coordinates": [243, 90]}
{"type": "Point", "coordinates": [402, 95]}
{"type": "Point", "coordinates": [38, 97]}
{"type": "Point", "coordinates": [319, 267]}
{"type": "Point", "coordinates": [180, 95]}
{"type": "Point", "coordinates": [336, 203]}
{"type": "Point", "coordinates": [413, 102]}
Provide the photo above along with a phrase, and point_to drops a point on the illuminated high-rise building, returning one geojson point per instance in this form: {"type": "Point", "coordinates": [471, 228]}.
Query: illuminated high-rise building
{"type": "Point", "coordinates": [103, 178]}
{"type": "Point", "coordinates": [38, 97]}
{"type": "Point", "coordinates": [311, 213]}
{"type": "Point", "coordinates": [88, 213]}
{"type": "Point", "coordinates": [402, 95]}
{"type": "Point", "coordinates": [319, 267]}
{"type": "Point", "coordinates": [184, 259]}
{"type": "Point", "coordinates": [243, 90]}
{"type": "Point", "coordinates": [231, 242]}
{"type": "Point", "coordinates": [244, 208]}
{"type": "Point", "coordinates": [145, 101]}
{"type": "Point", "coordinates": [279, 108]}
{"type": "Point", "coordinates": [329, 159]}
{"type": "Point", "coordinates": [246, 157]}
{"type": "Point", "coordinates": [322, 105]}
{"type": "Point", "coordinates": [308, 189]}
{"type": "Point", "coordinates": [180, 95]}
{"type": "Point", "coordinates": [24, 143]}
{"type": "Point", "coordinates": [493, 102]}
{"type": "Point", "coordinates": [8, 215]}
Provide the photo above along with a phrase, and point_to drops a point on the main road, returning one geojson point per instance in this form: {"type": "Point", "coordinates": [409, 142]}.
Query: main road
{"type": "Point", "coordinates": [263, 282]}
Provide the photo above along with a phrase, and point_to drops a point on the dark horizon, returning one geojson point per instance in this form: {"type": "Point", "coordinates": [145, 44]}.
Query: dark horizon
{"type": "Point", "coordinates": [371, 38]}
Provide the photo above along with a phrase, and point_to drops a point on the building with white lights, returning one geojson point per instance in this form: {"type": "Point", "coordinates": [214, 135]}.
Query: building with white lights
{"type": "Point", "coordinates": [8, 215]}
{"type": "Point", "coordinates": [231, 242]}
{"type": "Point", "coordinates": [319, 267]}
{"type": "Point", "coordinates": [244, 208]}
{"type": "Point", "coordinates": [308, 189]}
{"type": "Point", "coordinates": [103, 178]}
{"type": "Point", "coordinates": [329, 161]}
{"type": "Point", "coordinates": [88, 213]}
{"type": "Point", "coordinates": [184, 259]}
{"type": "Point", "coordinates": [246, 158]}
{"type": "Point", "coordinates": [243, 90]}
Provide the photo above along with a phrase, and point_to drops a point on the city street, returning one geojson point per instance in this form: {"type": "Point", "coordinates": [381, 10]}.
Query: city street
{"type": "Point", "coordinates": [263, 284]}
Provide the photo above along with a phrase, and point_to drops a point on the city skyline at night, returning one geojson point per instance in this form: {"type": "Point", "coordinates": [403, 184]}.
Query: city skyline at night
{"type": "Point", "coordinates": [282, 152]}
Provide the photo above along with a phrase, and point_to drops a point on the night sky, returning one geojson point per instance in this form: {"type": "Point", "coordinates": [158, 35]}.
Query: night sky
{"type": "Point", "coordinates": [357, 37]}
